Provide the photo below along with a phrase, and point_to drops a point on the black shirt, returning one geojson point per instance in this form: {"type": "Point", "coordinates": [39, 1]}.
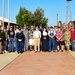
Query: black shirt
{"type": "Point", "coordinates": [11, 33]}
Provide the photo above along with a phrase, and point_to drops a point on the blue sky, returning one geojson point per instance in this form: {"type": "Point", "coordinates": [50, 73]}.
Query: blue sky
{"type": "Point", "coordinates": [50, 8]}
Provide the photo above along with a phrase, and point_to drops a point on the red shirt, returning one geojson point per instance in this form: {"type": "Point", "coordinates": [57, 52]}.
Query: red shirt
{"type": "Point", "coordinates": [59, 34]}
{"type": "Point", "coordinates": [72, 31]}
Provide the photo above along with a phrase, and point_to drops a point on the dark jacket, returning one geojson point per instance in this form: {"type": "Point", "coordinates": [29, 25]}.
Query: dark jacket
{"type": "Point", "coordinates": [20, 37]}
{"type": "Point", "coordinates": [2, 36]}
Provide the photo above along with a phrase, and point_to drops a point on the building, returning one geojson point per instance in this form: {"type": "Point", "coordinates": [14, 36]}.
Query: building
{"type": "Point", "coordinates": [6, 22]}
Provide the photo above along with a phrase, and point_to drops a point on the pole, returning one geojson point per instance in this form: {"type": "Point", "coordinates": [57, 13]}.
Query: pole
{"type": "Point", "coordinates": [3, 13]}
{"type": "Point", "coordinates": [57, 17]}
{"type": "Point", "coordinates": [8, 12]}
{"type": "Point", "coordinates": [67, 12]}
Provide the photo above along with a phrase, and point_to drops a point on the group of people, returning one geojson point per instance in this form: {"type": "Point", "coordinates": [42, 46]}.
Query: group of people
{"type": "Point", "coordinates": [38, 39]}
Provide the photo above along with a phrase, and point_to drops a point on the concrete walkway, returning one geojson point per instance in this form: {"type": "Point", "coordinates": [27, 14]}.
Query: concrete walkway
{"type": "Point", "coordinates": [6, 59]}
{"type": "Point", "coordinates": [43, 63]}
{"type": "Point", "coordinates": [72, 53]}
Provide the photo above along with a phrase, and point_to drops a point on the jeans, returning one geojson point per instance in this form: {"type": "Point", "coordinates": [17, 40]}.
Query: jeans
{"type": "Point", "coordinates": [52, 44]}
{"type": "Point", "coordinates": [19, 47]}
{"type": "Point", "coordinates": [73, 45]}
{"type": "Point", "coordinates": [11, 45]}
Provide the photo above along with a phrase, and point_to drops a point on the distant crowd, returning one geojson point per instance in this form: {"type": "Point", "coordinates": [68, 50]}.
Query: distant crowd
{"type": "Point", "coordinates": [57, 38]}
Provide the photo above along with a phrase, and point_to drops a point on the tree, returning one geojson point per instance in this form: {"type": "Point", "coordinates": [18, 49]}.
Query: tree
{"type": "Point", "coordinates": [22, 16]}
{"type": "Point", "coordinates": [26, 17]}
{"type": "Point", "coordinates": [39, 17]}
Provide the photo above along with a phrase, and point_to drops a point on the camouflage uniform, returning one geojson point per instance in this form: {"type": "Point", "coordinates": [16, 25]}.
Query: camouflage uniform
{"type": "Point", "coordinates": [67, 39]}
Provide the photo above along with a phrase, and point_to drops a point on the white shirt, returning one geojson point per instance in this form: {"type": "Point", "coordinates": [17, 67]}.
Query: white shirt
{"type": "Point", "coordinates": [16, 31]}
{"type": "Point", "coordinates": [51, 31]}
{"type": "Point", "coordinates": [44, 33]}
{"type": "Point", "coordinates": [37, 34]}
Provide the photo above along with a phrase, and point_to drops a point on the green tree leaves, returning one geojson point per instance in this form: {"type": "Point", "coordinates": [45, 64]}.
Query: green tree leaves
{"type": "Point", "coordinates": [26, 17]}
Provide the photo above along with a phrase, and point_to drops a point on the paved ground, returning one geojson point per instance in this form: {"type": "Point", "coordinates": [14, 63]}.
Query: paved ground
{"type": "Point", "coordinates": [43, 63]}
{"type": "Point", "coordinates": [6, 59]}
{"type": "Point", "coordinates": [72, 54]}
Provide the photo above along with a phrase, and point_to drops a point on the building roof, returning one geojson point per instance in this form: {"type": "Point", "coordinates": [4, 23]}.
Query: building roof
{"type": "Point", "coordinates": [6, 20]}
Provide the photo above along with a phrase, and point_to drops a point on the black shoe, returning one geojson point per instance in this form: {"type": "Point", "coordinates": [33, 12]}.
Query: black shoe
{"type": "Point", "coordinates": [54, 51]}
{"type": "Point", "coordinates": [18, 52]}
{"type": "Point", "coordinates": [9, 51]}
{"type": "Point", "coordinates": [49, 51]}
{"type": "Point", "coordinates": [1, 53]}
{"type": "Point", "coordinates": [61, 50]}
{"type": "Point", "coordinates": [57, 50]}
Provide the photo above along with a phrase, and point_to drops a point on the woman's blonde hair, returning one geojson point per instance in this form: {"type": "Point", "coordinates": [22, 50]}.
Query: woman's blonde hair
{"type": "Point", "coordinates": [70, 24]}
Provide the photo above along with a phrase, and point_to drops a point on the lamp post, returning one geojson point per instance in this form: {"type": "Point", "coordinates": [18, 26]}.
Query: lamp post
{"type": "Point", "coordinates": [57, 16]}
{"type": "Point", "coordinates": [8, 12]}
{"type": "Point", "coordinates": [3, 13]}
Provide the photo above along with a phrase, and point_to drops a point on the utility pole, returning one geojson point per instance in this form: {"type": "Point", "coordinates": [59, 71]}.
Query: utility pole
{"type": "Point", "coordinates": [3, 13]}
{"type": "Point", "coordinates": [57, 16]}
{"type": "Point", "coordinates": [8, 12]}
{"type": "Point", "coordinates": [68, 11]}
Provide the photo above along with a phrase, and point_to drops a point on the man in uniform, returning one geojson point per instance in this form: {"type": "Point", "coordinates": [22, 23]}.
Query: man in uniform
{"type": "Point", "coordinates": [67, 38]}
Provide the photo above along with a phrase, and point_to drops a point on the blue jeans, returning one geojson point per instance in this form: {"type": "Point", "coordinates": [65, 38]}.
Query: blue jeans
{"type": "Point", "coordinates": [52, 44]}
{"type": "Point", "coordinates": [19, 47]}
{"type": "Point", "coordinates": [11, 45]}
{"type": "Point", "coordinates": [73, 45]}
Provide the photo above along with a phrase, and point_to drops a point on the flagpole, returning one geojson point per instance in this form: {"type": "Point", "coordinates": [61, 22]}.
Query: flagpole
{"type": "Point", "coordinates": [8, 12]}
{"type": "Point", "coordinates": [3, 13]}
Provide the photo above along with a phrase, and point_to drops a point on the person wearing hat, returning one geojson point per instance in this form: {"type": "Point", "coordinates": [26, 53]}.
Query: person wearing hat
{"type": "Point", "coordinates": [20, 39]}
{"type": "Point", "coordinates": [11, 36]}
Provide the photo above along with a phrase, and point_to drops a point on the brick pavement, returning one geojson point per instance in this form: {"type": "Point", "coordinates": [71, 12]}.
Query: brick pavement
{"type": "Point", "coordinates": [43, 63]}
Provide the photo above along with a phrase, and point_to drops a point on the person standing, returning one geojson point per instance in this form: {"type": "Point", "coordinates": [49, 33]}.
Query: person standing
{"type": "Point", "coordinates": [11, 36]}
{"type": "Point", "coordinates": [44, 41]}
{"type": "Point", "coordinates": [20, 40]}
{"type": "Point", "coordinates": [67, 38]}
{"type": "Point", "coordinates": [16, 31]}
{"type": "Point", "coordinates": [52, 41]}
{"type": "Point", "coordinates": [1, 40]}
{"type": "Point", "coordinates": [60, 39]}
{"type": "Point", "coordinates": [31, 40]}
{"type": "Point", "coordinates": [25, 32]}
{"type": "Point", "coordinates": [72, 32]}
{"type": "Point", "coordinates": [37, 36]}
{"type": "Point", "coordinates": [41, 30]}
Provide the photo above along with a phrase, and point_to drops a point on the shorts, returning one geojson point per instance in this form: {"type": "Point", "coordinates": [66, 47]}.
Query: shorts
{"type": "Point", "coordinates": [31, 42]}
{"type": "Point", "coordinates": [60, 43]}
